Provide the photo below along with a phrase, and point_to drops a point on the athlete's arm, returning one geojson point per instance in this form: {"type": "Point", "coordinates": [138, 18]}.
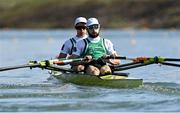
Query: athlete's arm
{"type": "Point", "coordinates": [112, 52]}
{"type": "Point", "coordinates": [65, 49]}
{"type": "Point", "coordinates": [77, 54]}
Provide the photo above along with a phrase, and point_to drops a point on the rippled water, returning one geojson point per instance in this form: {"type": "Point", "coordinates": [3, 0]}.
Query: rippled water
{"type": "Point", "coordinates": [26, 90]}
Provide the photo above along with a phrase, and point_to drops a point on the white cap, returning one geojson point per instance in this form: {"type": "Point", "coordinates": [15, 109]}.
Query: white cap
{"type": "Point", "coordinates": [92, 21]}
{"type": "Point", "coordinates": [80, 20]}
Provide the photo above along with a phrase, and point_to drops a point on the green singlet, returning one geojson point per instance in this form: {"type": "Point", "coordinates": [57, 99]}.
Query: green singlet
{"type": "Point", "coordinates": [96, 50]}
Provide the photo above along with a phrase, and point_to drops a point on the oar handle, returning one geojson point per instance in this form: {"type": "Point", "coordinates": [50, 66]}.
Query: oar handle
{"type": "Point", "coordinates": [67, 61]}
{"type": "Point", "coordinates": [119, 57]}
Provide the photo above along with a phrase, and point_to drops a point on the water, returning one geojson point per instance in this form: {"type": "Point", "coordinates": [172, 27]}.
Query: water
{"type": "Point", "coordinates": [26, 90]}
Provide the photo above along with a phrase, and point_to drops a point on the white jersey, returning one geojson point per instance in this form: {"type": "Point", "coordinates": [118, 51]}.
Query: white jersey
{"type": "Point", "coordinates": [80, 46]}
{"type": "Point", "coordinates": [69, 45]}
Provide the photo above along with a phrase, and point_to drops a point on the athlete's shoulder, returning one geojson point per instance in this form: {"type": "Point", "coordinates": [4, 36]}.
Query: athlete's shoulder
{"type": "Point", "coordinates": [107, 41]}
{"type": "Point", "coordinates": [81, 42]}
{"type": "Point", "coordinates": [69, 41]}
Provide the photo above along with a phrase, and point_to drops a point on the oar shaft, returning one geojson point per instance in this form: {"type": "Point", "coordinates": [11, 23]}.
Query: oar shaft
{"type": "Point", "coordinates": [119, 57]}
{"type": "Point", "coordinates": [156, 58]}
{"type": "Point", "coordinates": [67, 61]}
{"type": "Point", "coordinates": [172, 59]}
{"type": "Point", "coordinates": [56, 68]}
{"type": "Point", "coordinates": [124, 65]}
{"type": "Point", "coordinates": [17, 67]}
{"type": "Point", "coordinates": [171, 64]}
{"type": "Point", "coordinates": [133, 66]}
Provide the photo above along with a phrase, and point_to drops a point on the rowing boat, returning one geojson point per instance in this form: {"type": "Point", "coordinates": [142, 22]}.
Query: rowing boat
{"type": "Point", "coordinates": [116, 80]}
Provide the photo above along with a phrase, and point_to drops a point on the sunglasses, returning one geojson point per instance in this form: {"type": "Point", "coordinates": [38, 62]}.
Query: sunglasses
{"type": "Point", "coordinates": [95, 26]}
{"type": "Point", "coordinates": [80, 27]}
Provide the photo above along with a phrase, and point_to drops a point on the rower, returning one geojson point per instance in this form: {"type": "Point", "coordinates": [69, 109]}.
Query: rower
{"type": "Point", "coordinates": [70, 45]}
{"type": "Point", "coordinates": [94, 47]}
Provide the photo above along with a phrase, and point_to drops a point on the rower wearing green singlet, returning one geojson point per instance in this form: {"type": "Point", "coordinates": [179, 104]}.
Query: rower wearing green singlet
{"type": "Point", "coordinates": [94, 47]}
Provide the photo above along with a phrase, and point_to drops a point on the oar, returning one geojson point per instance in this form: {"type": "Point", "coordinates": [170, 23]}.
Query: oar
{"type": "Point", "coordinates": [31, 64]}
{"type": "Point", "coordinates": [57, 68]}
{"type": "Point", "coordinates": [170, 64]}
{"type": "Point", "coordinates": [143, 61]}
{"type": "Point", "coordinates": [67, 61]}
{"type": "Point", "coordinates": [42, 64]}
{"type": "Point", "coordinates": [172, 59]}
{"type": "Point", "coordinates": [118, 57]}
{"type": "Point", "coordinates": [159, 59]}
{"type": "Point", "coordinates": [124, 67]}
{"type": "Point", "coordinates": [19, 66]}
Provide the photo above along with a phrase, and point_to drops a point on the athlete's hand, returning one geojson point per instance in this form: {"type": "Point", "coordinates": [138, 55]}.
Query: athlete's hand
{"type": "Point", "coordinates": [88, 58]}
{"type": "Point", "coordinates": [111, 59]}
{"type": "Point", "coordinates": [113, 56]}
{"type": "Point", "coordinates": [105, 56]}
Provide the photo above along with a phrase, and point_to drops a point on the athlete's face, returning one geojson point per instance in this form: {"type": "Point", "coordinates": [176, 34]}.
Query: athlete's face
{"type": "Point", "coordinates": [81, 29]}
{"type": "Point", "coordinates": [93, 30]}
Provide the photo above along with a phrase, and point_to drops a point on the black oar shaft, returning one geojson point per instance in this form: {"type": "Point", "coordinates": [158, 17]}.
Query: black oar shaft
{"type": "Point", "coordinates": [171, 64]}
{"type": "Point", "coordinates": [119, 57]}
{"type": "Point", "coordinates": [128, 64]}
{"type": "Point", "coordinates": [156, 58]}
{"type": "Point", "coordinates": [172, 59]}
{"type": "Point", "coordinates": [132, 66]}
{"type": "Point", "coordinates": [17, 67]}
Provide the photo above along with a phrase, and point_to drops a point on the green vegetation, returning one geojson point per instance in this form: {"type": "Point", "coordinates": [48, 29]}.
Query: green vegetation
{"type": "Point", "coordinates": [111, 13]}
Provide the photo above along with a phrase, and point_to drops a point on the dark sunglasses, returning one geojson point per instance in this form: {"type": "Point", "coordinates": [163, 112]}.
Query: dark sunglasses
{"type": "Point", "coordinates": [80, 27]}
{"type": "Point", "coordinates": [95, 26]}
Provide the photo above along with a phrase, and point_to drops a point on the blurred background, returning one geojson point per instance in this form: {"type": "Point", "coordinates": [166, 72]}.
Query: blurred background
{"type": "Point", "coordinates": [111, 13]}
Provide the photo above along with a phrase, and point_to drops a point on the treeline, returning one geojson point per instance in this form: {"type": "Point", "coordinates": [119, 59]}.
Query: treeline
{"type": "Point", "coordinates": [111, 13]}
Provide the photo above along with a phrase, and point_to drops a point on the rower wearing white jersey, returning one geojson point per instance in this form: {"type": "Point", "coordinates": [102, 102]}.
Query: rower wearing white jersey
{"type": "Point", "coordinates": [94, 47]}
{"type": "Point", "coordinates": [70, 45]}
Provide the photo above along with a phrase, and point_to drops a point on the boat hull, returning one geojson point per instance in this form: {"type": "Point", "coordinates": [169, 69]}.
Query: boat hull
{"type": "Point", "coordinates": [109, 81]}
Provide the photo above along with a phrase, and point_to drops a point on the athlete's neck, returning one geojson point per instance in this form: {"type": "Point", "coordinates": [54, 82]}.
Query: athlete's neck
{"type": "Point", "coordinates": [81, 36]}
